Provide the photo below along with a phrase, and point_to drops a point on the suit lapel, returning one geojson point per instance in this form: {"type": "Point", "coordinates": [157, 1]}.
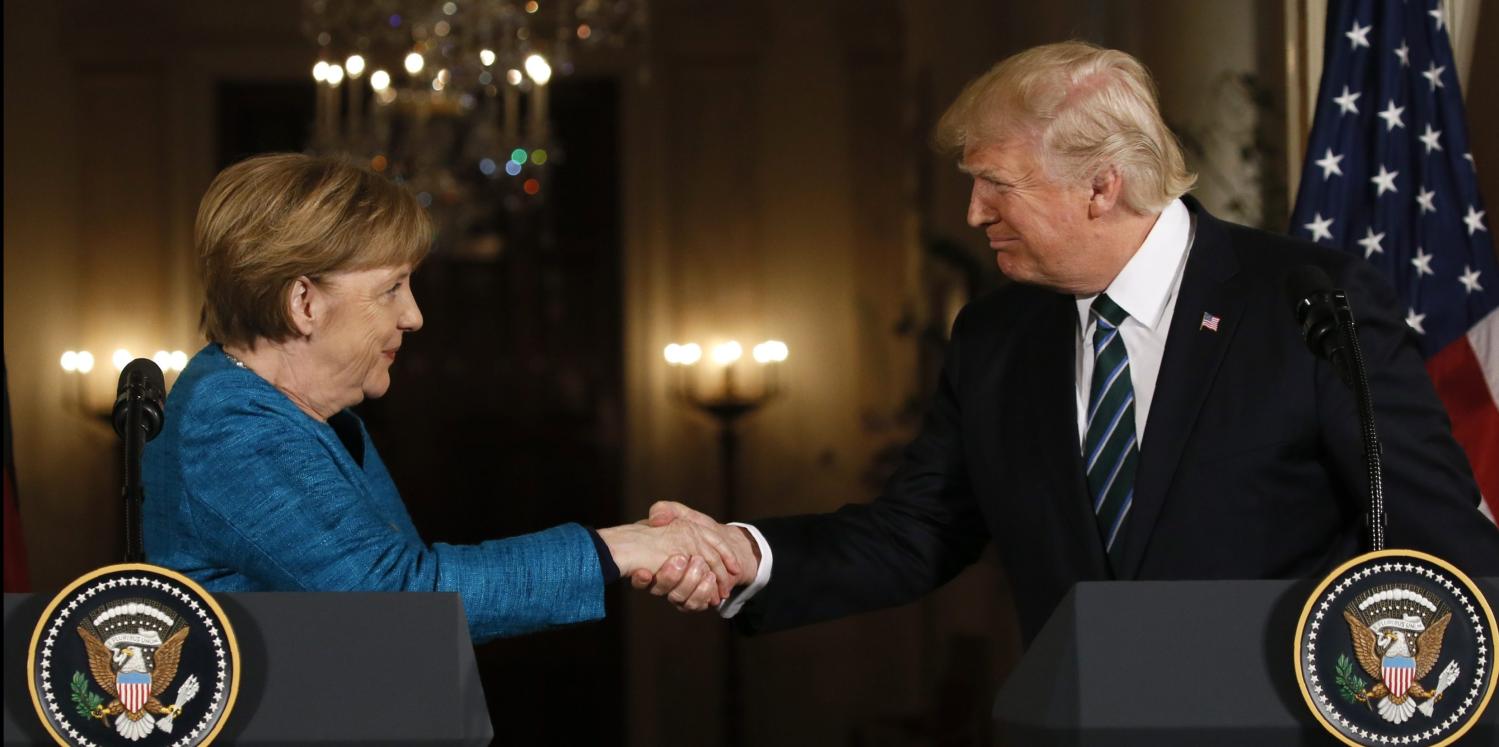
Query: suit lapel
{"type": "Point", "coordinates": [1049, 397]}
{"type": "Point", "coordinates": [1188, 367]}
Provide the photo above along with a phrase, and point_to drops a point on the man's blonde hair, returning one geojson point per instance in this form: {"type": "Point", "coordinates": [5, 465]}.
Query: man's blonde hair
{"type": "Point", "coordinates": [1088, 107]}
{"type": "Point", "coordinates": [271, 219]}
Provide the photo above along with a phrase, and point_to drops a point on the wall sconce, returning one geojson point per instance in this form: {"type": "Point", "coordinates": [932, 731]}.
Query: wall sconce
{"type": "Point", "coordinates": [82, 381]}
{"type": "Point", "coordinates": [727, 403]}
{"type": "Point", "coordinates": [730, 398]}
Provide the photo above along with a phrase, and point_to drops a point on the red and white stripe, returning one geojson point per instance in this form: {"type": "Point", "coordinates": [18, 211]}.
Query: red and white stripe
{"type": "Point", "coordinates": [1398, 679]}
{"type": "Point", "coordinates": [1466, 375]}
{"type": "Point", "coordinates": [134, 695]}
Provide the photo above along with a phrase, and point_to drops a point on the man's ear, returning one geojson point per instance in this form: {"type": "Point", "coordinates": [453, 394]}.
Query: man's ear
{"type": "Point", "coordinates": [306, 305]}
{"type": "Point", "coordinates": [1108, 185]}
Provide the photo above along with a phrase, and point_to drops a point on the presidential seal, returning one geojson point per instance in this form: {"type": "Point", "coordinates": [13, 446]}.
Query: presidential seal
{"type": "Point", "coordinates": [1396, 647]}
{"type": "Point", "coordinates": [133, 654]}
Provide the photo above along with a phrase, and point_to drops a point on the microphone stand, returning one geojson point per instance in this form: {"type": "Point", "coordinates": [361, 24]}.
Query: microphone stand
{"type": "Point", "coordinates": [137, 419]}
{"type": "Point", "coordinates": [134, 435]}
{"type": "Point", "coordinates": [1357, 377]}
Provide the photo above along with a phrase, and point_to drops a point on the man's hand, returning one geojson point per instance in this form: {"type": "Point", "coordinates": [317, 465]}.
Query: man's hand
{"type": "Point", "coordinates": [712, 572]}
{"type": "Point", "coordinates": [676, 578]}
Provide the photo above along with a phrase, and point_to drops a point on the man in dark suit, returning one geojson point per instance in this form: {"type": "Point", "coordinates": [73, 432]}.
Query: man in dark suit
{"type": "Point", "coordinates": [1139, 404]}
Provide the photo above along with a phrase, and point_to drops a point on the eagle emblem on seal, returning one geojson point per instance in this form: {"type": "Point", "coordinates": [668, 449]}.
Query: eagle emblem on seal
{"type": "Point", "coordinates": [134, 647]}
{"type": "Point", "coordinates": [1397, 633]}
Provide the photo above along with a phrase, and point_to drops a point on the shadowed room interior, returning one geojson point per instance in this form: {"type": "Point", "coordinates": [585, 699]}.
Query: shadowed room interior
{"type": "Point", "coordinates": [733, 170]}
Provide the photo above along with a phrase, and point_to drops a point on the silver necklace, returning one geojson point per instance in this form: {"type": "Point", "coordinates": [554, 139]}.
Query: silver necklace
{"type": "Point", "coordinates": [233, 359]}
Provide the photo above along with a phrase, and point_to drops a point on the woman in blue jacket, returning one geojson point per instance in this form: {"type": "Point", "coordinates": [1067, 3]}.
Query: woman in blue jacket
{"type": "Point", "coordinates": [263, 479]}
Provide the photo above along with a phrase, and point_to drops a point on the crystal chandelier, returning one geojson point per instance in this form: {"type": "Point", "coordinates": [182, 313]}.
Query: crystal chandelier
{"type": "Point", "coordinates": [450, 96]}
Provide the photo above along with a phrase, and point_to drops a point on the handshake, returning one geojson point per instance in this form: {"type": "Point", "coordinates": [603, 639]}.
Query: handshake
{"type": "Point", "coordinates": [684, 555]}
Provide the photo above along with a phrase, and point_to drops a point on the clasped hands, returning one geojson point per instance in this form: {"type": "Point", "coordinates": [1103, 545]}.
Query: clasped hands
{"type": "Point", "coordinates": [683, 555]}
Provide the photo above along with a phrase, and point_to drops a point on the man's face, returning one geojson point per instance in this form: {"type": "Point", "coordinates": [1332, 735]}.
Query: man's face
{"type": "Point", "coordinates": [1036, 226]}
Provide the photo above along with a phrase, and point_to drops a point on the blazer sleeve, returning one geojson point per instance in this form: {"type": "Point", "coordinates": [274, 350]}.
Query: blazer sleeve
{"type": "Point", "coordinates": [269, 499]}
{"type": "Point", "coordinates": [1429, 493]}
{"type": "Point", "coordinates": [918, 534]}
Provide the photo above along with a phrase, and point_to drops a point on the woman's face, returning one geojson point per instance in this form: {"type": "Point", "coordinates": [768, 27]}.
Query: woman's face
{"type": "Point", "coordinates": [368, 312]}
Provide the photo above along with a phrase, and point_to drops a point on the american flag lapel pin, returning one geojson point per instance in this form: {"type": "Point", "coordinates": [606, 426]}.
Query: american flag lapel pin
{"type": "Point", "coordinates": [1209, 322]}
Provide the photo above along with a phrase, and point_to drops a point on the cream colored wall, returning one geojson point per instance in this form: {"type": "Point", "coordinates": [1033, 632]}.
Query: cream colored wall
{"type": "Point", "coordinates": [108, 145]}
{"type": "Point", "coordinates": [63, 469]}
{"type": "Point", "coordinates": [763, 200]}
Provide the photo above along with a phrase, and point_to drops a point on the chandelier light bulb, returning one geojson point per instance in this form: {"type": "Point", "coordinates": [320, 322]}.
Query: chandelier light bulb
{"type": "Point", "coordinates": [379, 80]}
{"type": "Point", "coordinates": [320, 71]}
{"type": "Point", "coordinates": [727, 353]}
{"type": "Point", "coordinates": [486, 56]}
{"type": "Point", "coordinates": [179, 360]}
{"type": "Point", "coordinates": [120, 359]}
{"type": "Point", "coordinates": [335, 75]}
{"type": "Point", "coordinates": [414, 63]}
{"type": "Point", "coordinates": [672, 353]}
{"type": "Point", "coordinates": [354, 65]}
{"type": "Point", "coordinates": [85, 361]}
{"type": "Point", "coordinates": [538, 69]}
{"type": "Point", "coordinates": [70, 360]}
{"type": "Point", "coordinates": [163, 360]}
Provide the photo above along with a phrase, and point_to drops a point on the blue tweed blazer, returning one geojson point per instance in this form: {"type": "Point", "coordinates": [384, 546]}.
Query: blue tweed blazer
{"type": "Point", "coordinates": [245, 492]}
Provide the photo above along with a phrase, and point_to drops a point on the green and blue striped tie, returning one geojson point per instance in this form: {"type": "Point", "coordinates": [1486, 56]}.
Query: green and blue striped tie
{"type": "Point", "coordinates": [1110, 453]}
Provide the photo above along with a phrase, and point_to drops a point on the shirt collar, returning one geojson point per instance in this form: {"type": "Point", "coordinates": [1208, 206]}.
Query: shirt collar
{"type": "Point", "coordinates": [1143, 287]}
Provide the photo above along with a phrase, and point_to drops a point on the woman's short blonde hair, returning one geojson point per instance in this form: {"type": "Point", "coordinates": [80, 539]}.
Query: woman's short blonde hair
{"type": "Point", "coordinates": [1088, 107]}
{"type": "Point", "coordinates": [271, 219]}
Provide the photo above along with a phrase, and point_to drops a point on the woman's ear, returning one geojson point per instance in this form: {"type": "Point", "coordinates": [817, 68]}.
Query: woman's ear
{"type": "Point", "coordinates": [306, 305]}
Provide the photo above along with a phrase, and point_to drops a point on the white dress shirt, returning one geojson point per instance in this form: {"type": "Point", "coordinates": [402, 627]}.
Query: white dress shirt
{"type": "Point", "coordinates": [1146, 289]}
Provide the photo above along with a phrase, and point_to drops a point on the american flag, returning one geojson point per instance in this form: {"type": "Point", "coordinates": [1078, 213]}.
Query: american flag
{"type": "Point", "coordinates": [1209, 322]}
{"type": "Point", "coordinates": [1389, 176]}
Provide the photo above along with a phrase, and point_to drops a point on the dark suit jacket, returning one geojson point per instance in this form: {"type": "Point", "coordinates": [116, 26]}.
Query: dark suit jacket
{"type": "Point", "coordinates": [1250, 466]}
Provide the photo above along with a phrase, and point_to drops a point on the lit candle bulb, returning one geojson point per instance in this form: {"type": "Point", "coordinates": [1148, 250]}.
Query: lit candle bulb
{"type": "Point", "coordinates": [727, 353]}
{"type": "Point", "coordinates": [770, 351]}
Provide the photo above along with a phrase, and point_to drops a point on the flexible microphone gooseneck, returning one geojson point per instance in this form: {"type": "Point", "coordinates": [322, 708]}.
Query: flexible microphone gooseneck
{"type": "Point", "coordinates": [1326, 322]}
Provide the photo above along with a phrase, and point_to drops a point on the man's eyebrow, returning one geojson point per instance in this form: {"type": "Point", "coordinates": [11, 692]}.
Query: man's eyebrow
{"type": "Point", "coordinates": [983, 173]}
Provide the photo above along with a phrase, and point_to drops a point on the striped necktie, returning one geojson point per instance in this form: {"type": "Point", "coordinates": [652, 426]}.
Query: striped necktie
{"type": "Point", "coordinates": [1110, 451]}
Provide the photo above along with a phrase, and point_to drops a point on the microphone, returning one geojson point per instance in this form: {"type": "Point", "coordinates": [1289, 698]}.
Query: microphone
{"type": "Point", "coordinates": [1326, 322]}
{"type": "Point", "coordinates": [1319, 309]}
{"type": "Point", "coordinates": [141, 384]}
